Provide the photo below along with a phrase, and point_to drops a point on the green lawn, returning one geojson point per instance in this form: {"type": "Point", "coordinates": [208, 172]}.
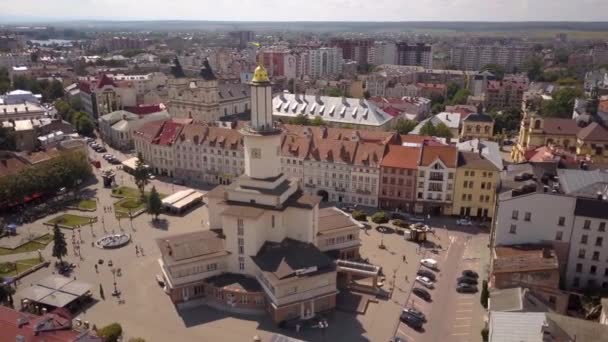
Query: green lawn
{"type": "Point", "coordinates": [70, 221]}
{"type": "Point", "coordinates": [126, 205]}
{"type": "Point", "coordinates": [126, 191]}
{"type": "Point", "coordinates": [32, 246]}
{"type": "Point", "coordinates": [9, 269]}
{"type": "Point", "coordinates": [87, 204]}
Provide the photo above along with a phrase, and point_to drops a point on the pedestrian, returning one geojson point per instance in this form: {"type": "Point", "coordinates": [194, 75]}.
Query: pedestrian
{"type": "Point", "coordinates": [141, 250]}
{"type": "Point", "coordinates": [403, 257]}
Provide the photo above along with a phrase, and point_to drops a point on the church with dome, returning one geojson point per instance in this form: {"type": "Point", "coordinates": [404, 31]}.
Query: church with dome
{"type": "Point", "coordinates": [266, 247]}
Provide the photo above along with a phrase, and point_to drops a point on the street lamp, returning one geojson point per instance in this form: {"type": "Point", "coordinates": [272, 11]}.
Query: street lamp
{"type": "Point", "coordinates": [115, 293]}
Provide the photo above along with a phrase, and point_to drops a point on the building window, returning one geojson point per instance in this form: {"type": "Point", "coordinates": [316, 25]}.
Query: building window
{"type": "Point", "coordinates": [527, 216]}
{"type": "Point", "coordinates": [587, 224]}
{"type": "Point", "coordinates": [241, 263]}
{"type": "Point", "coordinates": [579, 268]}
{"type": "Point", "coordinates": [602, 227]}
{"type": "Point", "coordinates": [513, 229]}
{"type": "Point", "coordinates": [599, 241]}
{"type": "Point", "coordinates": [559, 235]}
{"type": "Point", "coordinates": [593, 269]}
{"type": "Point", "coordinates": [576, 282]}
{"type": "Point", "coordinates": [581, 253]}
{"type": "Point", "coordinates": [241, 246]}
{"type": "Point", "coordinates": [561, 221]}
{"type": "Point", "coordinates": [239, 227]}
{"type": "Point", "coordinates": [212, 267]}
{"type": "Point", "coordinates": [596, 256]}
{"type": "Point", "coordinates": [584, 239]}
{"type": "Point", "coordinates": [272, 219]}
{"type": "Point", "coordinates": [466, 173]}
{"type": "Point", "coordinates": [515, 214]}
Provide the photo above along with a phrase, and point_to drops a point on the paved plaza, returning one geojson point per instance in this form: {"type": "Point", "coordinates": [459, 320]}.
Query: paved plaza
{"type": "Point", "coordinates": [144, 310]}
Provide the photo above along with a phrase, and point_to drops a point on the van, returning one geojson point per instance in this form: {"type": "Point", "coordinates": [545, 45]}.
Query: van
{"type": "Point", "coordinates": [429, 263]}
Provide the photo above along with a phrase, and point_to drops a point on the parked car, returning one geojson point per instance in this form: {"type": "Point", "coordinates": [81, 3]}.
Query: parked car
{"type": "Point", "coordinates": [426, 273]}
{"type": "Point", "coordinates": [151, 177]}
{"type": "Point", "coordinates": [470, 274]}
{"type": "Point", "coordinates": [466, 288]}
{"type": "Point", "coordinates": [464, 222]}
{"type": "Point", "coordinates": [428, 283]}
{"type": "Point", "coordinates": [430, 263]}
{"type": "Point", "coordinates": [411, 320]}
{"type": "Point", "coordinates": [422, 293]}
{"type": "Point", "coordinates": [107, 156]}
{"type": "Point", "coordinates": [398, 216]}
{"type": "Point", "coordinates": [415, 312]}
{"type": "Point", "coordinates": [418, 218]}
{"type": "Point", "coordinates": [466, 280]}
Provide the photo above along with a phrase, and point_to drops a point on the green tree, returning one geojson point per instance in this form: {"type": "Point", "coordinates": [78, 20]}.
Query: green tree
{"type": "Point", "coordinates": [534, 69]}
{"type": "Point", "coordinates": [301, 120]}
{"type": "Point", "coordinates": [155, 205]}
{"type": "Point", "coordinates": [562, 104]}
{"type": "Point", "coordinates": [110, 333]}
{"type": "Point", "coordinates": [380, 217]}
{"type": "Point", "coordinates": [63, 108]}
{"type": "Point", "coordinates": [7, 139]}
{"type": "Point", "coordinates": [317, 121]}
{"type": "Point", "coordinates": [428, 129]}
{"type": "Point", "coordinates": [443, 131]}
{"type": "Point", "coordinates": [60, 248]}
{"type": "Point", "coordinates": [405, 126]}
{"type": "Point", "coordinates": [84, 123]}
{"type": "Point", "coordinates": [140, 175]}
{"type": "Point", "coordinates": [56, 90]}
{"type": "Point", "coordinates": [5, 81]}
{"type": "Point", "coordinates": [334, 92]}
{"type": "Point", "coordinates": [453, 88]}
{"type": "Point", "coordinates": [496, 69]}
{"type": "Point", "coordinates": [6, 292]}
{"type": "Point", "coordinates": [461, 97]}
{"type": "Point", "coordinates": [485, 294]}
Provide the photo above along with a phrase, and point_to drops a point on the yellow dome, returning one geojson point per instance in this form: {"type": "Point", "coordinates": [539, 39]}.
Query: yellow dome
{"type": "Point", "coordinates": [260, 75]}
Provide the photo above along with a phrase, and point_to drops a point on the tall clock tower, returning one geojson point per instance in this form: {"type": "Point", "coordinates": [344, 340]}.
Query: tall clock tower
{"type": "Point", "coordinates": [261, 138]}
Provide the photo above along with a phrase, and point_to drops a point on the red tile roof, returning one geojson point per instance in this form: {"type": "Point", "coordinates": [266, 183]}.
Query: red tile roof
{"type": "Point", "coordinates": [368, 154]}
{"type": "Point", "coordinates": [447, 154]}
{"type": "Point", "coordinates": [558, 126]}
{"type": "Point", "coordinates": [401, 157]}
{"type": "Point", "coordinates": [593, 132]}
{"type": "Point", "coordinates": [169, 133]}
{"type": "Point", "coordinates": [603, 106]}
{"type": "Point", "coordinates": [144, 109]}
{"type": "Point", "coordinates": [105, 81]}
{"type": "Point", "coordinates": [150, 130]}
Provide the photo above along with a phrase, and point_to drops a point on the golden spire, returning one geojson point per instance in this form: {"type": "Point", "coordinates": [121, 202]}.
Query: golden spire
{"type": "Point", "coordinates": [260, 75]}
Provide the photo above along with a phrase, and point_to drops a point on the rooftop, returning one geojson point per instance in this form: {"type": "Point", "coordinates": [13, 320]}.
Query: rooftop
{"type": "Point", "coordinates": [331, 219]}
{"type": "Point", "coordinates": [473, 160]}
{"type": "Point", "coordinates": [524, 258]}
{"type": "Point", "coordinates": [403, 157]}
{"type": "Point", "coordinates": [447, 154]}
{"type": "Point", "coordinates": [188, 246]}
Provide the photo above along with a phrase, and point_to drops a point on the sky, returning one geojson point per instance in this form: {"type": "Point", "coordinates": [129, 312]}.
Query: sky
{"type": "Point", "coordinates": [309, 10]}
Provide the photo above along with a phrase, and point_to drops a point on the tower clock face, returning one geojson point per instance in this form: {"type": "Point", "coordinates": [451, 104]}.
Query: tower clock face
{"type": "Point", "coordinates": [256, 153]}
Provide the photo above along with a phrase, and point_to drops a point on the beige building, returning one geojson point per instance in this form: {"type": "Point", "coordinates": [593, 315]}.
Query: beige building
{"type": "Point", "coordinates": [477, 180]}
{"type": "Point", "coordinates": [477, 126]}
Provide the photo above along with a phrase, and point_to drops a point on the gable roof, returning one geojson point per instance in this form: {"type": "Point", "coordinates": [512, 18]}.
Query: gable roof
{"type": "Point", "coordinates": [559, 126]}
{"type": "Point", "coordinates": [403, 157]}
{"type": "Point", "coordinates": [593, 132]}
{"type": "Point", "coordinates": [447, 154]}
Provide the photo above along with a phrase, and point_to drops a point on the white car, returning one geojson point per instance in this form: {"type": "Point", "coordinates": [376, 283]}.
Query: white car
{"type": "Point", "coordinates": [430, 263]}
{"type": "Point", "coordinates": [464, 222]}
{"type": "Point", "coordinates": [428, 283]}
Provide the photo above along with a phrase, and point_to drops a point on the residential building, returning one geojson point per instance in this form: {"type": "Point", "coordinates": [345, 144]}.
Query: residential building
{"type": "Point", "coordinates": [398, 171]}
{"type": "Point", "coordinates": [22, 111]}
{"type": "Point", "coordinates": [451, 120]}
{"type": "Point", "coordinates": [477, 180]}
{"type": "Point", "coordinates": [526, 299]}
{"type": "Point", "coordinates": [411, 108]}
{"type": "Point", "coordinates": [20, 96]}
{"type": "Point", "coordinates": [354, 49]}
{"type": "Point", "coordinates": [335, 111]}
{"type": "Point", "coordinates": [234, 98]}
{"type": "Point", "coordinates": [436, 177]}
{"type": "Point", "coordinates": [155, 141]}
{"type": "Point", "coordinates": [592, 143]}
{"type": "Point", "coordinates": [270, 229]}
{"type": "Point", "coordinates": [121, 43]}
{"type": "Point", "coordinates": [325, 62]}
{"type": "Point", "coordinates": [505, 94]}
{"type": "Point", "coordinates": [280, 63]}
{"type": "Point", "coordinates": [102, 95]}
{"type": "Point", "coordinates": [117, 128]}
{"type": "Point", "coordinates": [9, 60]}
{"type": "Point", "coordinates": [476, 57]}
{"type": "Point", "coordinates": [382, 53]}
{"type": "Point", "coordinates": [241, 38]}
{"type": "Point", "coordinates": [477, 126]}
{"type": "Point", "coordinates": [419, 54]}
{"type": "Point", "coordinates": [533, 265]}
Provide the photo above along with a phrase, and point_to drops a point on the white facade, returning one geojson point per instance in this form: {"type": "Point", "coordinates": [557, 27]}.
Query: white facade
{"type": "Point", "coordinates": [9, 60]}
{"type": "Point", "coordinates": [383, 53]}
{"type": "Point", "coordinates": [435, 185]}
{"type": "Point", "coordinates": [325, 62]}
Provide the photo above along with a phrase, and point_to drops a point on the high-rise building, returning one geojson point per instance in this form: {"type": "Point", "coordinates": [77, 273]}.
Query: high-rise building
{"type": "Point", "coordinates": [383, 53]}
{"type": "Point", "coordinates": [325, 62]}
{"type": "Point", "coordinates": [475, 57]}
{"type": "Point", "coordinates": [414, 54]}
{"type": "Point", "coordinates": [354, 49]}
{"type": "Point", "coordinates": [280, 63]}
{"type": "Point", "coordinates": [241, 38]}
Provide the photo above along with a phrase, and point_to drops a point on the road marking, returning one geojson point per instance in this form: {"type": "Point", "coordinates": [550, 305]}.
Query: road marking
{"type": "Point", "coordinates": [464, 310]}
{"type": "Point", "coordinates": [469, 318]}
{"type": "Point", "coordinates": [470, 303]}
{"type": "Point", "coordinates": [461, 326]}
{"type": "Point", "coordinates": [460, 334]}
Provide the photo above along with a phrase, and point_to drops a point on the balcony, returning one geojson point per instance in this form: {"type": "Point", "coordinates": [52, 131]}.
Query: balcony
{"type": "Point", "coordinates": [436, 178]}
{"type": "Point", "coordinates": [310, 185]}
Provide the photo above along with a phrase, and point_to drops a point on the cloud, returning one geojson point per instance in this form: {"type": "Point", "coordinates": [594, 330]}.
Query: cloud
{"type": "Point", "coordinates": [322, 10]}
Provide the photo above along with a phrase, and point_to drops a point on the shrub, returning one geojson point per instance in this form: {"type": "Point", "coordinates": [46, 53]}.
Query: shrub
{"type": "Point", "coordinates": [110, 333]}
{"type": "Point", "coordinates": [485, 294]}
{"type": "Point", "coordinates": [400, 223]}
{"type": "Point", "coordinates": [380, 217]}
{"type": "Point", "coordinates": [359, 215]}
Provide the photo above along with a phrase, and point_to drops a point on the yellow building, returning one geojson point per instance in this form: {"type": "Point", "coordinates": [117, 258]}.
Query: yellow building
{"type": "Point", "coordinates": [475, 186]}
{"type": "Point", "coordinates": [477, 125]}
{"type": "Point", "coordinates": [592, 143]}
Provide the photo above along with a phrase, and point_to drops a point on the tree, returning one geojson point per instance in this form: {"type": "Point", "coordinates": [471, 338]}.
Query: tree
{"type": "Point", "coordinates": [534, 69]}
{"type": "Point", "coordinates": [110, 333]}
{"type": "Point", "coordinates": [84, 123]}
{"type": "Point", "coordinates": [5, 81]}
{"type": "Point", "coordinates": [359, 215]}
{"type": "Point", "coordinates": [317, 121]}
{"type": "Point", "coordinates": [334, 92]}
{"type": "Point", "coordinates": [485, 294]}
{"type": "Point", "coordinates": [56, 90]}
{"type": "Point", "coordinates": [453, 88]}
{"type": "Point", "coordinates": [562, 103]}
{"type": "Point", "coordinates": [176, 70]}
{"type": "Point", "coordinates": [443, 131]}
{"type": "Point", "coordinates": [461, 96]}
{"type": "Point", "coordinates": [300, 119]}
{"type": "Point", "coordinates": [404, 126]}
{"type": "Point", "coordinates": [155, 204]}
{"type": "Point", "coordinates": [496, 69]}
{"type": "Point", "coordinates": [7, 139]}
{"type": "Point", "coordinates": [60, 248]}
{"type": "Point", "coordinates": [380, 217]}
{"type": "Point", "coordinates": [140, 175]}
{"type": "Point", "coordinates": [428, 129]}
{"type": "Point", "coordinates": [63, 108]}
{"type": "Point", "coordinates": [6, 292]}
